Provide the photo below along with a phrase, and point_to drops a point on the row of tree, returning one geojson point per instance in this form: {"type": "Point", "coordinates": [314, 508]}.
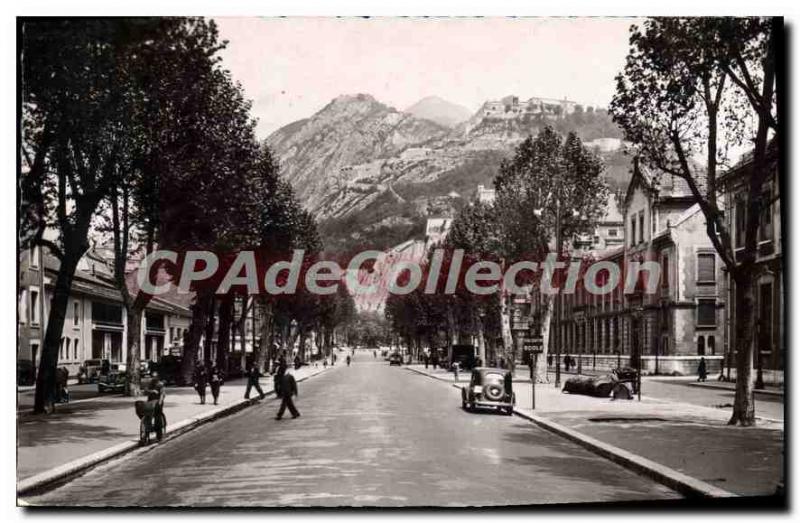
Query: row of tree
{"type": "Point", "coordinates": [552, 182]}
{"type": "Point", "coordinates": [132, 129]}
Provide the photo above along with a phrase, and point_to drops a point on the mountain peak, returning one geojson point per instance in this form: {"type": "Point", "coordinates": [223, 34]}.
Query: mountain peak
{"type": "Point", "coordinates": [439, 110]}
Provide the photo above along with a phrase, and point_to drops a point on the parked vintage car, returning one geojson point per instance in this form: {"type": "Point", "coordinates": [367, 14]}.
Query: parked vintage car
{"type": "Point", "coordinates": [603, 385]}
{"type": "Point", "coordinates": [489, 387]}
{"type": "Point", "coordinates": [396, 359]}
{"type": "Point", "coordinates": [91, 370]}
{"type": "Point", "coordinates": [114, 381]}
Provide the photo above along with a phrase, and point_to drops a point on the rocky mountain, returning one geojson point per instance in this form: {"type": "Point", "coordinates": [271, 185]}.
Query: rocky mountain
{"type": "Point", "coordinates": [347, 139]}
{"type": "Point", "coordinates": [372, 174]}
{"type": "Point", "coordinates": [440, 111]}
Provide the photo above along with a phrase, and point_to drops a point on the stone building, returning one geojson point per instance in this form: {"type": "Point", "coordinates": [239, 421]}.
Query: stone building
{"type": "Point", "coordinates": [769, 307]}
{"type": "Point", "coordinates": [95, 326]}
{"type": "Point", "coordinates": [671, 328]}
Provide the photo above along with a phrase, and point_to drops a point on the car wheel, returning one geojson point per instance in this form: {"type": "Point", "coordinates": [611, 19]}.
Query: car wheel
{"type": "Point", "coordinates": [604, 390]}
{"type": "Point", "coordinates": [510, 411]}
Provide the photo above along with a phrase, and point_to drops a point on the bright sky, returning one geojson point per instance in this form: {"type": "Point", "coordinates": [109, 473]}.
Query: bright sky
{"type": "Point", "coordinates": [292, 67]}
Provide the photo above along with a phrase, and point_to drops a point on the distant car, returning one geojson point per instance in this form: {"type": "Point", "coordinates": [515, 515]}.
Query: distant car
{"type": "Point", "coordinates": [90, 371]}
{"type": "Point", "coordinates": [396, 359]}
{"type": "Point", "coordinates": [489, 387]}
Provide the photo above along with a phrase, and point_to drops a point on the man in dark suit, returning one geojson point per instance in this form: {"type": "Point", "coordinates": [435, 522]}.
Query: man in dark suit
{"type": "Point", "coordinates": [253, 374]}
{"type": "Point", "coordinates": [287, 390]}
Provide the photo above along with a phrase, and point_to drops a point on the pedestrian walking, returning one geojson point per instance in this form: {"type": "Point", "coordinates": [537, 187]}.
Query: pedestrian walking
{"type": "Point", "coordinates": [702, 373]}
{"type": "Point", "coordinates": [278, 378]}
{"type": "Point", "coordinates": [425, 359]}
{"type": "Point", "coordinates": [253, 374]}
{"type": "Point", "coordinates": [348, 360]}
{"type": "Point", "coordinates": [215, 382]}
{"type": "Point", "coordinates": [200, 380]}
{"type": "Point", "coordinates": [297, 362]}
{"type": "Point", "coordinates": [288, 389]}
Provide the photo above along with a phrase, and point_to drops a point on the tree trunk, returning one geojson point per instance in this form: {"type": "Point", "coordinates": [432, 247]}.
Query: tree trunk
{"type": "Point", "coordinates": [744, 412]}
{"type": "Point", "coordinates": [208, 338]}
{"type": "Point", "coordinates": [48, 361]}
{"type": "Point", "coordinates": [452, 331]}
{"type": "Point", "coordinates": [505, 327]}
{"type": "Point", "coordinates": [134, 382]}
{"type": "Point", "coordinates": [481, 340]}
{"type": "Point", "coordinates": [263, 351]}
{"type": "Point", "coordinates": [224, 336]}
{"type": "Point", "coordinates": [191, 349]}
{"type": "Point", "coordinates": [541, 364]}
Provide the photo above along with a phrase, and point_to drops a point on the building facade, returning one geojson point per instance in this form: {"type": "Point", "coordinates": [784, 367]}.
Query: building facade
{"type": "Point", "coordinates": [95, 325]}
{"type": "Point", "coordinates": [770, 354]}
{"type": "Point", "coordinates": [671, 324]}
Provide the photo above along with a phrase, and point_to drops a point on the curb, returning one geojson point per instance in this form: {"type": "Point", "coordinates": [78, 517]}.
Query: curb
{"type": "Point", "coordinates": [669, 477]}
{"type": "Point", "coordinates": [40, 482]}
{"type": "Point", "coordinates": [729, 389]}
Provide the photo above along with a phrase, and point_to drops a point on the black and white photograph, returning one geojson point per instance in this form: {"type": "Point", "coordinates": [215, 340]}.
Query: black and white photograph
{"type": "Point", "coordinates": [401, 262]}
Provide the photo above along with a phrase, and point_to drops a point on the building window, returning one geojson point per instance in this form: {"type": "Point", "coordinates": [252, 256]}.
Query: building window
{"type": "Point", "coordinates": [701, 346]}
{"type": "Point", "coordinates": [106, 313]}
{"type": "Point", "coordinates": [34, 257]}
{"type": "Point", "coordinates": [706, 267]}
{"type": "Point", "coordinates": [34, 306]}
{"type": "Point", "coordinates": [612, 232]}
{"type": "Point", "coordinates": [75, 349]}
{"type": "Point", "coordinates": [707, 313]}
{"type": "Point", "coordinates": [641, 226]}
{"type": "Point", "coordinates": [765, 221]}
{"type": "Point", "coordinates": [66, 349]}
{"type": "Point", "coordinates": [61, 350]}
{"type": "Point", "coordinates": [633, 231]}
{"type": "Point", "coordinates": [76, 313]}
{"type": "Point", "coordinates": [741, 222]}
{"type": "Point", "coordinates": [23, 306]}
{"type": "Point", "coordinates": [765, 317]}
{"type": "Point", "coordinates": [711, 345]}
{"type": "Point", "coordinates": [665, 271]}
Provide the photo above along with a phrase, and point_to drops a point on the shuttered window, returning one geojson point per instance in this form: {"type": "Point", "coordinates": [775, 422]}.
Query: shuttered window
{"type": "Point", "coordinates": [707, 313]}
{"type": "Point", "coordinates": [706, 268]}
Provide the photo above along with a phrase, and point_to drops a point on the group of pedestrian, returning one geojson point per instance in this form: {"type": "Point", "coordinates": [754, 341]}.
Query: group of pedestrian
{"type": "Point", "coordinates": [569, 362]}
{"type": "Point", "coordinates": [211, 377]}
{"type": "Point", "coordinates": [431, 359]}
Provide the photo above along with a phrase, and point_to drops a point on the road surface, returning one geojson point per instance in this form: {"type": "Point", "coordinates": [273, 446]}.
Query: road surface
{"type": "Point", "coordinates": [369, 435]}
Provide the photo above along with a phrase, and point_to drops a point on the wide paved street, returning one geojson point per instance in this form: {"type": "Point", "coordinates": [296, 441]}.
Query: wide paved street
{"type": "Point", "coordinates": [369, 435]}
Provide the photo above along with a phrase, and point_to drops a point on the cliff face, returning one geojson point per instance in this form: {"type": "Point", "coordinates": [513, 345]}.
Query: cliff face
{"type": "Point", "coordinates": [316, 154]}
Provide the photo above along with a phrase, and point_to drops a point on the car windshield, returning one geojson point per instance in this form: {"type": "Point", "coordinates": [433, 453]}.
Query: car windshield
{"type": "Point", "coordinates": [493, 377]}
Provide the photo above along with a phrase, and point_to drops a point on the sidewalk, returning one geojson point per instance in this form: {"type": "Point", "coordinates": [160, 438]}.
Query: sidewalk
{"type": "Point", "coordinates": [691, 439]}
{"type": "Point", "coordinates": [729, 385]}
{"type": "Point", "coordinates": [97, 425]}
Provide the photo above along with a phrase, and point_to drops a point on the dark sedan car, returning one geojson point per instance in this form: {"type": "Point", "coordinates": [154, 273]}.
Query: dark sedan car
{"type": "Point", "coordinates": [396, 359]}
{"type": "Point", "coordinates": [489, 387]}
{"type": "Point", "coordinates": [602, 386]}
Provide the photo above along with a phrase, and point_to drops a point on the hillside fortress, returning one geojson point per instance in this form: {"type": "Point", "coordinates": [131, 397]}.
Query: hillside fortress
{"type": "Point", "coordinates": [511, 107]}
